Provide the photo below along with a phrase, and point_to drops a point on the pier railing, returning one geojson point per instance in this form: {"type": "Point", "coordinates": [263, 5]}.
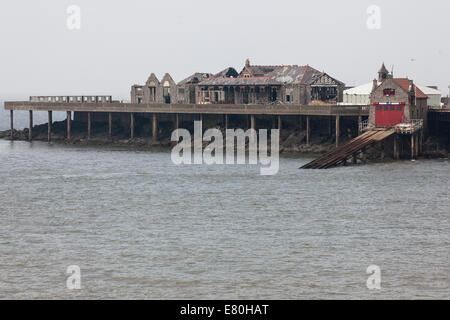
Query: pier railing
{"type": "Point", "coordinates": [365, 126]}
{"type": "Point", "coordinates": [72, 99]}
{"type": "Point", "coordinates": [409, 127]}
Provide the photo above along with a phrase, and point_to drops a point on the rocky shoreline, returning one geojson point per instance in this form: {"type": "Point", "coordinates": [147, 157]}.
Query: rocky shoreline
{"type": "Point", "coordinates": [291, 142]}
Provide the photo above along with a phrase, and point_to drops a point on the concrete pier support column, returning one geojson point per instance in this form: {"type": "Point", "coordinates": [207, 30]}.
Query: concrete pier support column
{"type": "Point", "coordinates": [89, 124]}
{"type": "Point", "coordinates": [226, 122]}
{"type": "Point", "coordinates": [49, 124]}
{"type": "Point", "coordinates": [308, 130]}
{"type": "Point", "coordinates": [110, 125]}
{"type": "Point", "coordinates": [252, 126]}
{"type": "Point", "coordinates": [69, 124]}
{"type": "Point", "coordinates": [421, 142]}
{"type": "Point", "coordinates": [131, 125]}
{"type": "Point", "coordinates": [359, 125]}
{"type": "Point", "coordinates": [338, 132]}
{"type": "Point", "coordinates": [176, 125]}
{"type": "Point", "coordinates": [417, 144]}
{"type": "Point", "coordinates": [154, 127]}
{"type": "Point", "coordinates": [412, 146]}
{"type": "Point", "coordinates": [382, 150]}
{"type": "Point", "coordinates": [11, 116]}
{"type": "Point", "coordinates": [280, 123]}
{"type": "Point", "coordinates": [330, 126]}
{"type": "Point", "coordinates": [396, 154]}
{"type": "Point", "coordinates": [200, 118]}
{"type": "Point", "coordinates": [30, 131]}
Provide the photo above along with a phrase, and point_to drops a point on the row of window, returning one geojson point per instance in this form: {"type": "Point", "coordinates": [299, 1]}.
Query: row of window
{"type": "Point", "coordinates": [389, 92]}
{"type": "Point", "coordinates": [389, 108]}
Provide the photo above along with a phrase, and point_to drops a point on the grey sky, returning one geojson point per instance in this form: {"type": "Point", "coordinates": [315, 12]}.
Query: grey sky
{"type": "Point", "coordinates": [121, 42]}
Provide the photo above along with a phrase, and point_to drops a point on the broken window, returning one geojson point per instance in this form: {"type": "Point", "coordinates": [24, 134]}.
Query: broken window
{"type": "Point", "coordinates": [166, 95]}
{"type": "Point", "coordinates": [152, 93]}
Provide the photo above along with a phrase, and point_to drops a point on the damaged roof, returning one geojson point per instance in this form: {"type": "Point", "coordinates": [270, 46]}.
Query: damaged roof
{"type": "Point", "coordinates": [195, 78]}
{"type": "Point", "coordinates": [294, 74]}
{"type": "Point", "coordinates": [228, 72]}
{"type": "Point", "coordinates": [273, 75]}
{"type": "Point", "coordinates": [241, 81]}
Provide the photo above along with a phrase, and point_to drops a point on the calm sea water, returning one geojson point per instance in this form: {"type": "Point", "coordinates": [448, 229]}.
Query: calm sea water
{"type": "Point", "coordinates": [140, 227]}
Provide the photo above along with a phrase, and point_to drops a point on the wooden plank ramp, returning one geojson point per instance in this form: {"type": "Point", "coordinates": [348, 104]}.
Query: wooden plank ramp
{"type": "Point", "coordinates": [343, 152]}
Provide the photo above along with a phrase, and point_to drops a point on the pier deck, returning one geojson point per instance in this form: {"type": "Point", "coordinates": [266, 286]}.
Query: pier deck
{"type": "Point", "coordinates": [246, 109]}
{"type": "Point", "coordinates": [105, 104]}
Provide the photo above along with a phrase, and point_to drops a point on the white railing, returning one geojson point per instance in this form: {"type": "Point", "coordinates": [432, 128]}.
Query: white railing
{"type": "Point", "coordinates": [72, 99]}
{"type": "Point", "coordinates": [409, 127]}
{"type": "Point", "coordinates": [365, 126]}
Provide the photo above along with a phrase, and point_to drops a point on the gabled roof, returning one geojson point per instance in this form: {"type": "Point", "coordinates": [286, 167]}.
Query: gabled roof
{"type": "Point", "coordinates": [428, 90]}
{"type": "Point", "coordinates": [258, 71]}
{"type": "Point", "coordinates": [168, 78]}
{"type": "Point", "coordinates": [364, 89]}
{"type": "Point", "coordinates": [324, 79]}
{"type": "Point", "coordinates": [195, 78]}
{"type": "Point", "coordinates": [153, 78]}
{"type": "Point", "coordinates": [228, 72]}
{"type": "Point", "coordinates": [404, 84]}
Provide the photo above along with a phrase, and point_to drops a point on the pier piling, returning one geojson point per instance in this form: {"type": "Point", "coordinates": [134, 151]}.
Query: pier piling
{"type": "Point", "coordinates": [154, 127]}
{"type": "Point", "coordinates": [176, 125]}
{"type": "Point", "coordinates": [359, 125]}
{"type": "Point", "coordinates": [337, 130]}
{"type": "Point", "coordinates": [30, 132]}
{"type": "Point", "coordinates": [131, 125]}
{"type": "Point", "coordinates": [69, 120]}
{"type": "Point", "coordinates": [11, 113]}
{"type": "Point", "coordinates": [252, 124]}
{"type": "Point", "coordinates": [89, 124]}
{"type": "Point", "coordinates": [308, 130]}
{"type": "Point", "coordinates": [109, 125]}
{"type": "Point", "coordinates": [49, 124]}
{"type": "Point", "coordinates": [396, 153]}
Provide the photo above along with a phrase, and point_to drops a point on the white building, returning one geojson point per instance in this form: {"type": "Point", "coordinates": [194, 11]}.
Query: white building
{"type": "Point", "coordinates": [360, 95]}
{"type": "Point", "coordinates": [434, 96]}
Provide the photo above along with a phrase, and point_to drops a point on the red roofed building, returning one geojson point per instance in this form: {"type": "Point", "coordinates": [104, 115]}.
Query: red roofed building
{"type": "Point", "coordinates": [396, 100]}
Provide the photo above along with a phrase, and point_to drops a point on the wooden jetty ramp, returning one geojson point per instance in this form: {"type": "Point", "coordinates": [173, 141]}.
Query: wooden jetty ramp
{"type": "Point", "coordinates": [349, 149]}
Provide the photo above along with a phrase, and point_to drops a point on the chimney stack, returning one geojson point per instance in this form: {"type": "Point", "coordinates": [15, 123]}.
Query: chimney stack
{"type": "Point", "coordinates": [247, 62]}
{"type": "Point", "coordinates": [375, 85]}
{"type": "Point", "coordinates": [411, 86]}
